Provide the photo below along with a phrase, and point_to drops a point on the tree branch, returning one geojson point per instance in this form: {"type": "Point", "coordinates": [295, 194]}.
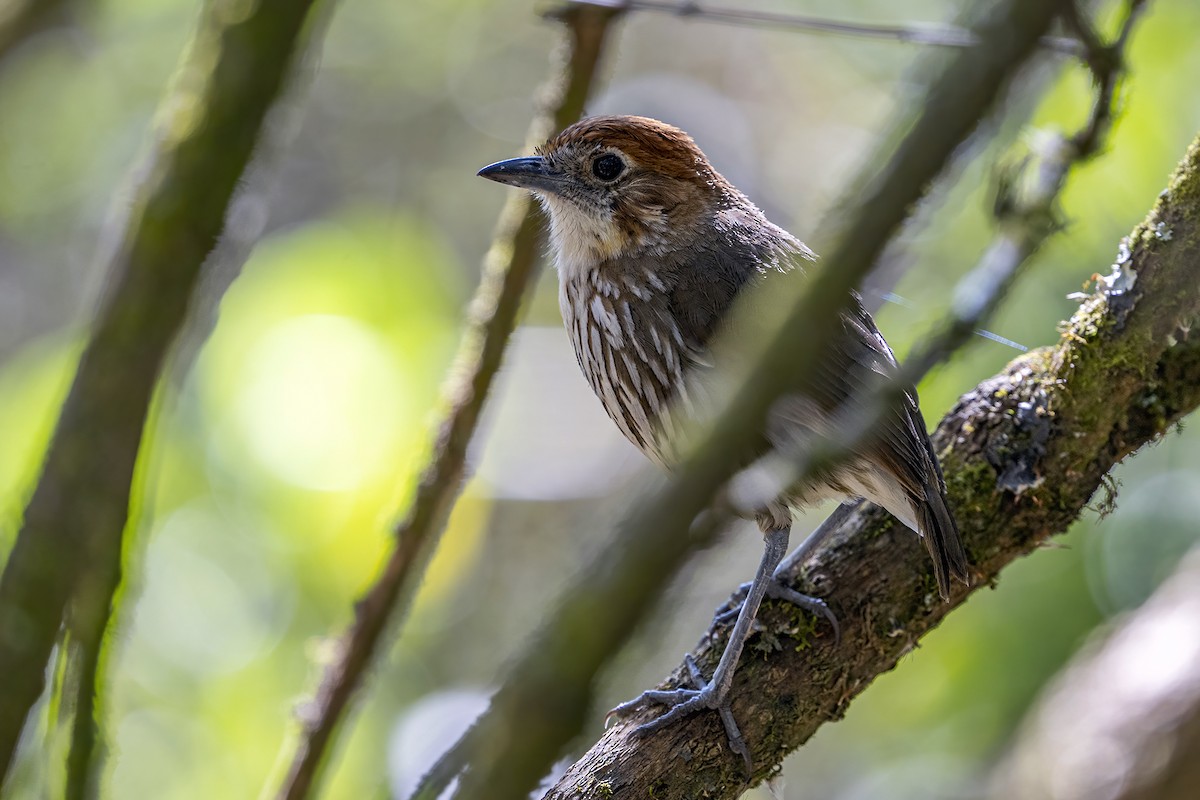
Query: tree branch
{"type": "Point", "coordinates": [1022, 454]}
{"type": "Point", "coordinates": [508, 269]}
{"type": "Point", "coordinates": [68, 550]}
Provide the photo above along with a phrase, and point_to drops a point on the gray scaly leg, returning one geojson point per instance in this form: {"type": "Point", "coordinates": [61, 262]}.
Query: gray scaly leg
{"type": "Point", "coordinates": [714, 694]}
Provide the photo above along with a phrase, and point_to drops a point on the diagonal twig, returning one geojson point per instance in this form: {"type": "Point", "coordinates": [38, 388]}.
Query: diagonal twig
{"type": "Point", "coordinates": [509, 267]}
{"type": "Point", "coordinates": [1107, 63]}
{"type": "Point", "coordinates": [913, 33]}
{"type": "Point", "coordinates": [85, 645]}
{"type": "Point", "coordinates": [1027, 214]}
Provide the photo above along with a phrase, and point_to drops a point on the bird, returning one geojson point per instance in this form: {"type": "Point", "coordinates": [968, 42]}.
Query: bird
{"type": "Point", "coordinates": [653, 247]}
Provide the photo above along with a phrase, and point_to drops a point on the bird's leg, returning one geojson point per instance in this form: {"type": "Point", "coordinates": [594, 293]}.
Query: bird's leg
{"type": "Point", "coordinates": [714, 694]}
{"type": "Point", "coordinates": [778, 590]}
{"type": "Point", "coordinates": [814, 540]}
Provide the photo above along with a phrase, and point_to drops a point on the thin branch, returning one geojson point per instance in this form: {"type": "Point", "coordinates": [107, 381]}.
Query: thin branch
{"type": "Point", "coordinates": [1026, 211]}
{"type": "Point", "coordinates": [1108, 67]}
{"type": "Point", "coordinates": [509, 268]}
{"type": "Point", "coordinates": [933, 35]}
{"type": "Point", "coordinates": [72, 533]}
{"type": "Point", "coordinates": [1022, 453]}
{"type": "Point", "coordinates": [88, 649]}
{"type": "Point", "coordinates": [543, 701]}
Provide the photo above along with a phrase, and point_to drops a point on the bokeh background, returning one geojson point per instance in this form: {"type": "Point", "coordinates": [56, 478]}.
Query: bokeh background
{"type": "Point", "coordinates": [297, 414]}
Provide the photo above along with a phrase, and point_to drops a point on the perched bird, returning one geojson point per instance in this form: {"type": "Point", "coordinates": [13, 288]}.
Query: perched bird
{"type": "Point", "coordinates": [652, 247]}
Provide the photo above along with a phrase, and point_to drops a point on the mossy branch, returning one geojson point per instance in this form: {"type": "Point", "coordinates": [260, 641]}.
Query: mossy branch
{"type": "Point", "coordinates": [1023, 453]}
{"type": "Point", "coordinates": [67, 553]}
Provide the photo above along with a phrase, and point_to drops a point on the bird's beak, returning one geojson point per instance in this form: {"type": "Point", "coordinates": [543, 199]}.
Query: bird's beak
{"type": "Point", "coordinates": [527, 172]}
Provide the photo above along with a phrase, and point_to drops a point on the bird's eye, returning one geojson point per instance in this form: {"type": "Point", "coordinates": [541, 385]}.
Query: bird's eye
{"type": "Point", "coordinates": [607, 167]}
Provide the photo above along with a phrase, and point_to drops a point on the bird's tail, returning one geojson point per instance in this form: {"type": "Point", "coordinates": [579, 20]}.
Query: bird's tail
{"type": "Point", "coordinates": [940, 532]}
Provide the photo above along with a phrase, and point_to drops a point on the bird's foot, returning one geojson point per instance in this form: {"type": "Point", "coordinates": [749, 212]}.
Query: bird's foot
{"type": "Point", "coordinates": [682, 702]}
{"type": "Point", "coordinates": [776, 590]}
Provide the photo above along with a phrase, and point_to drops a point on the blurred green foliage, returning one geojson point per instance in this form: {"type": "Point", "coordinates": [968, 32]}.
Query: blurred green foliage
{"type": "Point", "coordinates": [293, 438]}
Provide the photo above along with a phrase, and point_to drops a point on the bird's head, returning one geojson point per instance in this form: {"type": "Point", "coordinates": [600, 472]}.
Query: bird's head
{"type": "Point", "coordinates": [620, 185]}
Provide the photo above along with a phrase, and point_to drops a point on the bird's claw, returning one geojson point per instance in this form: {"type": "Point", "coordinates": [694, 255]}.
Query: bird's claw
{"type": "Point", "coordinates": [776, 590]}
{"type": "Point", "coordinates": [683, 702]}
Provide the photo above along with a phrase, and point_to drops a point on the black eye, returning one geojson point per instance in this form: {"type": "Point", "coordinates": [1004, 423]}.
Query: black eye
{"type": "Point", "coordinates": [607, 167]}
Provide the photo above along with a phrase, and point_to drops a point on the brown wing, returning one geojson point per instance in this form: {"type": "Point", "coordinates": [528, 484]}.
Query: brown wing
{"type": "Point", "coordinates": [903, 447]}
{"type": "Point", "coordinates": [707, 282]}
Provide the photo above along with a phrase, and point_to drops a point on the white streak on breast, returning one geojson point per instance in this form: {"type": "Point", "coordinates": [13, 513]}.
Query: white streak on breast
{"type": "Point", "coordinates": [658, 345]}
{"type": "Point", "coordinates": [635, 373]}
{"type": "Point", "coordinates": [675, 334]}
{"type": "Point", "coordinates": [671, 357]}
{"type": "Point", "coordinates": [632, 402]}
{"type": "Point", "coordinates": [631, 330]}
{"type": "Point", "coordinates": [657, 368]}
{"type": "Point", "coordinates": [604, 316]}
{"type": "Point", "coordinates": [597, 347]}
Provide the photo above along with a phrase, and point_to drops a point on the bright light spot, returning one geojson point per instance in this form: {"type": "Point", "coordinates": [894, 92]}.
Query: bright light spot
{"type": "Point", "coordinates": [321, 402]}
{"type": "Point", "coordinates": [1164, 661]}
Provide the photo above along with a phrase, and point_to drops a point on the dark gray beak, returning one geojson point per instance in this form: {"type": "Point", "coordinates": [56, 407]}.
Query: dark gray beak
{"type": "Point", "coordinates": [527, 172]}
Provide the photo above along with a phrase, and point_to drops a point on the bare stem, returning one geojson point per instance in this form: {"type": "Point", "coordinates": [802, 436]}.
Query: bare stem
{"type": "Point", "coordinates": [1026, 215]}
